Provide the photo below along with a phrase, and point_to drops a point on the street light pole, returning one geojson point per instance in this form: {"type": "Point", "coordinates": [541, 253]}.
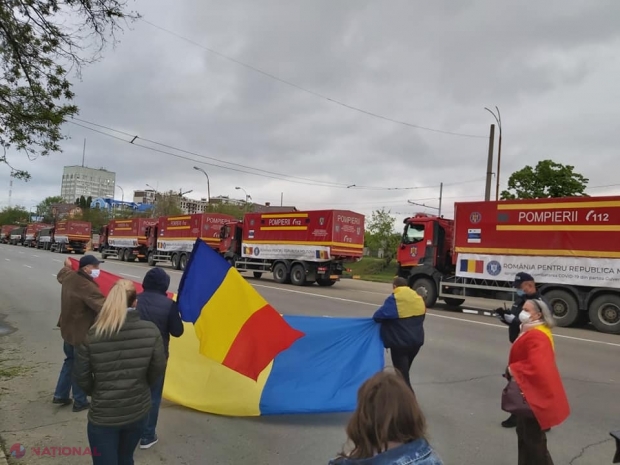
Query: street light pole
{"type": "Point", "coordinates": [122, 193]}
{"type": "Point", "coordinates": [498, 118]}
{"type": "Point", "coordinates": [208, 183]}
{"type": "Point", "coordinates": [245, 192]}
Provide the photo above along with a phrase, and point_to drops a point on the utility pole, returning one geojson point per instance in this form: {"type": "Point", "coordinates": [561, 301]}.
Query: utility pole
{"type": "Point", "coordinates": [487, 191]}
{"type": "Point", "coordinates": [440, 199]}
{"type": "Point", "coordinates": [84, 152]}
{"type": "Point", "coordinates": [498, 118]}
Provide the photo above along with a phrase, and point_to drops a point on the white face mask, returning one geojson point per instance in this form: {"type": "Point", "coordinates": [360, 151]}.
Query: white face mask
{"type": "Point", "coordinates": [524, 317]}
{"type": "Point", "coordinates": [94, 273]}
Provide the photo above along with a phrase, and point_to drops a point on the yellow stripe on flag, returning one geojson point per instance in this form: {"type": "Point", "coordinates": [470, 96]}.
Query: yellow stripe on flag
{"type": "Point", "coordinates": [224, 315]}
{"type": "Point", "coordinates": [471, 266]}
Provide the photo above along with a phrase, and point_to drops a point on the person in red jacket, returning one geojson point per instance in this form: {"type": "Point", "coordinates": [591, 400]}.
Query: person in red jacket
{"type": "Point", "coordinates": [532, 365]}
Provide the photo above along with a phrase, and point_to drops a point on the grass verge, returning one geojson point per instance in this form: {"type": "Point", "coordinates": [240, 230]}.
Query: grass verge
{"type": "Point", "coordinates": [373, 269]}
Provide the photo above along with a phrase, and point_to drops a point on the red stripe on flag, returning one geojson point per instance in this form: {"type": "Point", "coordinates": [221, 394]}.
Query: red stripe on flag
{"type": "Point", "coordinates": [479, 266]}
{"type": "Point", "coordinates": [264, 335]}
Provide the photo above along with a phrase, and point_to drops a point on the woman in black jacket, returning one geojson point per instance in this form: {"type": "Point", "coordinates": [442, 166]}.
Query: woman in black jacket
{"type": "Point", "coordinates": [116, 365]}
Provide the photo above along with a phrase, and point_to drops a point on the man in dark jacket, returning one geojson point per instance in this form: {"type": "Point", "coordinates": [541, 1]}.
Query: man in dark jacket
{"type": "Point", "coordinates": [526, 290]}
{"type": "Point", "coordinates": [402, 325]}
{"type": "Point", "coordinates": [80, 302]}
{"type": "Point", "coordinates": [154, 305]}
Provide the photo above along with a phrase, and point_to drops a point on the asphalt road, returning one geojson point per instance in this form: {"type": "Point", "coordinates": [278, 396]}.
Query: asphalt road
{"type": "Point", "coordinates": [457, 378]}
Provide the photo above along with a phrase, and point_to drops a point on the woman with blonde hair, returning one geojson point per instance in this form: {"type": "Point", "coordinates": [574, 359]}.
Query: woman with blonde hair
{"type": "Point", "coordinates": [532, 367]}
{"type": "Point", "coordinates": [120, 359]}
{"type": "Point", "coordinates": [388, 426]}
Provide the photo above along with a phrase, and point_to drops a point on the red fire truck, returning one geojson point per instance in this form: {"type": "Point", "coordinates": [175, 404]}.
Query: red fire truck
{"type": "Point", "coordinates": [297, 247]}
{"type": "Point", "coordinates": [70, 236]}
{"type": "Point", "coordinates": [570, 246]}
{"type": "Point", "coordinates": [172, 239]}
{"type": "Point", "coordinates": [32, 233]}
{"type": "Point", "coordinates": [125, 239]}
{"type": "Point", "coordinates": [5, 233]}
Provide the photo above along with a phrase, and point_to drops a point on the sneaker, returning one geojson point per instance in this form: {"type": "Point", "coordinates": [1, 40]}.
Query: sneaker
{"type": "Point", "coordinates": [63, 402]}
{"type": "Point", "coordinates": [511, 422]}
{"type": "Point", "coordinates": [148, 443]}
{"type": "Point", "coordinates": [81, 408]}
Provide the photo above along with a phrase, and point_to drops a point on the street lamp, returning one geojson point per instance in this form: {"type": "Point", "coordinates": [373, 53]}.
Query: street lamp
{"type": "Point", "coordinates": [498, 118]}
{"type": "Point", "coordinates": [246, 194]}
{"type": "Point", "coordinates": [122, 193]}
{"type": "Point", "coordinates": [208, 186]}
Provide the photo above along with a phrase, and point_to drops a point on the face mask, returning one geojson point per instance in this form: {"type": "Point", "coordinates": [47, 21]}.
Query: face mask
{"type": "Point", "coordinates": [524, 317]}
{"type": "Point", "coordinates": [520, 292]}
{"type": "Point", "coordinates": [94, 273]}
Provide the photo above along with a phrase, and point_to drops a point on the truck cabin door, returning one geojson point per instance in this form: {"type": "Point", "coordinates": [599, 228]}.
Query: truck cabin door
{"type": "Point", "coordinates": [225, 239]}
{"type": "Point", "coordinates": [151, 236]}
{"type": "Point", "coordinates": [419, 243]}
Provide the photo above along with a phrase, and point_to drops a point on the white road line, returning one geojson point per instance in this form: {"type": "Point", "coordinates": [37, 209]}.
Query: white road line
{"type": "Point", "coordinates": [36, 256]}
{"type": "Point", "coordinates": [130, 275]}
{"type": "Point", "coordinates": [433, 314]}
{"type": "Point", "coordinates": [56, 260]}
{"type": "Point", "coordinates": [27, 266]}
{"type": "Point", "coordinates": [53, 275]}
{"type": "Point", "coordinates": [8, 259]}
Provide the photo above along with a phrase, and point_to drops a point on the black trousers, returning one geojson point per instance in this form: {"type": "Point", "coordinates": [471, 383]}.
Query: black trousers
{"type": "Point", "coordinates": [532, 443]}
{"type": "Point", "coordinates": [402, 360]}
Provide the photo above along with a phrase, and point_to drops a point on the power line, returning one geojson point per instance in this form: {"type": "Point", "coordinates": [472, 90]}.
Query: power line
{"type": "Point", "coordinates": [311, 92]}
{"type": "Point", "coordinates": [242, 168]}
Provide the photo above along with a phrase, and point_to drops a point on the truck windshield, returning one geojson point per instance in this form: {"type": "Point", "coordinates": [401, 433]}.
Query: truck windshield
{"type": "Point", "coordinates": [413, 233]}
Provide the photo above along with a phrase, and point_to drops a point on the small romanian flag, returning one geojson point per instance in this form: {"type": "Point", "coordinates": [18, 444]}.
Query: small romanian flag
{"type": "Point", "coordinates": [322, 254]}
{"type": "Point", "coordinates": [234, 324]}
{"type": "Point", "coordinates": [472, 266]}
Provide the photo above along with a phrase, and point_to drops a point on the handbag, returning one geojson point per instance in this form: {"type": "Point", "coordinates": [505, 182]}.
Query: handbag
{"type": "Point", "coordinates": [513, 400]}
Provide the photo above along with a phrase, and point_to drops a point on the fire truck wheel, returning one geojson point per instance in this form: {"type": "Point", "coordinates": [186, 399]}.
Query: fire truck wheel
{"type": "Point", "coordinates": [298, 275]}
{"type": "Point", "coordinates": [150, 260]}
{"type": "Point", "coordinates": [564, 307]}
{"type": "Point", "coordinates": [605, 313]}
{"type": "Point", "coordinates": [425, 289]}
{"type": "Point", "coordinates": [175, 261]}
{"type": "Point", "coordinates": [128, 256]}
{"type": "Point", "coordinates": [257, 274]}
{"type": "Point", "coordinates": [280, 273]}
{"type": "Point", "coordinates": [182, 262]}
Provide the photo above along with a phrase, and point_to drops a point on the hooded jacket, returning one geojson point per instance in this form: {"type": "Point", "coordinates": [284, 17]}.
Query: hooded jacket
{"type": "Point", "coordinates": [417, 452]}
{"type": "Point", "coordinates": [154, 305]}
{"type": "Point", "coordinates": [402, 319]}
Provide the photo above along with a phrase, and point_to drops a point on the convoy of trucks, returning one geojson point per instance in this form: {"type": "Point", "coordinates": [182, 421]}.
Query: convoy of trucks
{"type": "Point", "coordinates": [570, 246]}
{"type": "Point", "coordinates": [297, 247]}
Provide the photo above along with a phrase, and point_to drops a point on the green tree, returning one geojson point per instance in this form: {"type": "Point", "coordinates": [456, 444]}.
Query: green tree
{"type": "Point", "coordinates": [14, 215]}
{"type": "Point", "coordinates": [166, 204]}
{"type": "Point", "coordinates": [44, 208]}
{"type": "Point", "coordinates": [36, 43]}
{"type": "Point", "coordinates": [382, 234]}
{"type": "Point", "coordinates": [548, 179]}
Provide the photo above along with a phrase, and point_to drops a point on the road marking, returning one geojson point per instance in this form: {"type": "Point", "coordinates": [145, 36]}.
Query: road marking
{"type": "Point", "coordinates": [36, 256]}
{"type": "Point", "coordinates": [130, 275]}
{"type": "Point", "coordinates": [27, 266]}
{"type": "Point", "coordinates": [53, 275]}
{"type": "Point", "coordinates": [482, 323]}
{"type": "Point", "coordinates": [21, 252]}
{"type": "Point", "coordinates": [56, 260]}
{"type": "Point", "coordinates": [8, 259]}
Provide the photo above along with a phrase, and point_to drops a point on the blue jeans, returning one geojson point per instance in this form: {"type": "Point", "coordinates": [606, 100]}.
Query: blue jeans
{"type": "Point", "coordinates": [114, 445]}
{"type": "Point", "coordinates": [65, 381]}
{"type": "Point", "coordinates": [157, 390]}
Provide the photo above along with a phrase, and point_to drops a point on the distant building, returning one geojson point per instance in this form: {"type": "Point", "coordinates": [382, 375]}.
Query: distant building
{"type": "Point", "coordinates": [191, 206]}
{"type": "Point", "coordinates": [258, 208]}
{"type": "Point", "coordinates": [80, 181]}
{"type": "Point", "coordinates": [144, 197]}
{"type": "Point", "coordinates": [62, 211]}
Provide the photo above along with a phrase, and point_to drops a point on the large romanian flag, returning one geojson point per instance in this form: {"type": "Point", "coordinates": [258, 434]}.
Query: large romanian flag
{"type": "Point", "coordinates": [234, 324]}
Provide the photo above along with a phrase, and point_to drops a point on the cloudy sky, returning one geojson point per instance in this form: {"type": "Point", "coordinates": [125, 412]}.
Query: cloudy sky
{"type": "Point", "coordinates": [551, 67]}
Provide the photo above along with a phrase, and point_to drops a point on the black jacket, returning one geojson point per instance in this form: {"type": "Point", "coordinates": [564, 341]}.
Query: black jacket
{"type": "Point", "coordinates": [117, 371]}
{"type": "Point", "coordinates": [514, 327]}
{"type": "Point", "coordinates": [154, 305]}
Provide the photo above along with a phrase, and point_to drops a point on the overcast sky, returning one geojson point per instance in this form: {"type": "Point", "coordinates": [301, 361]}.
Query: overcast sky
{"type": "Point", "coordinates": [551, 67]}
